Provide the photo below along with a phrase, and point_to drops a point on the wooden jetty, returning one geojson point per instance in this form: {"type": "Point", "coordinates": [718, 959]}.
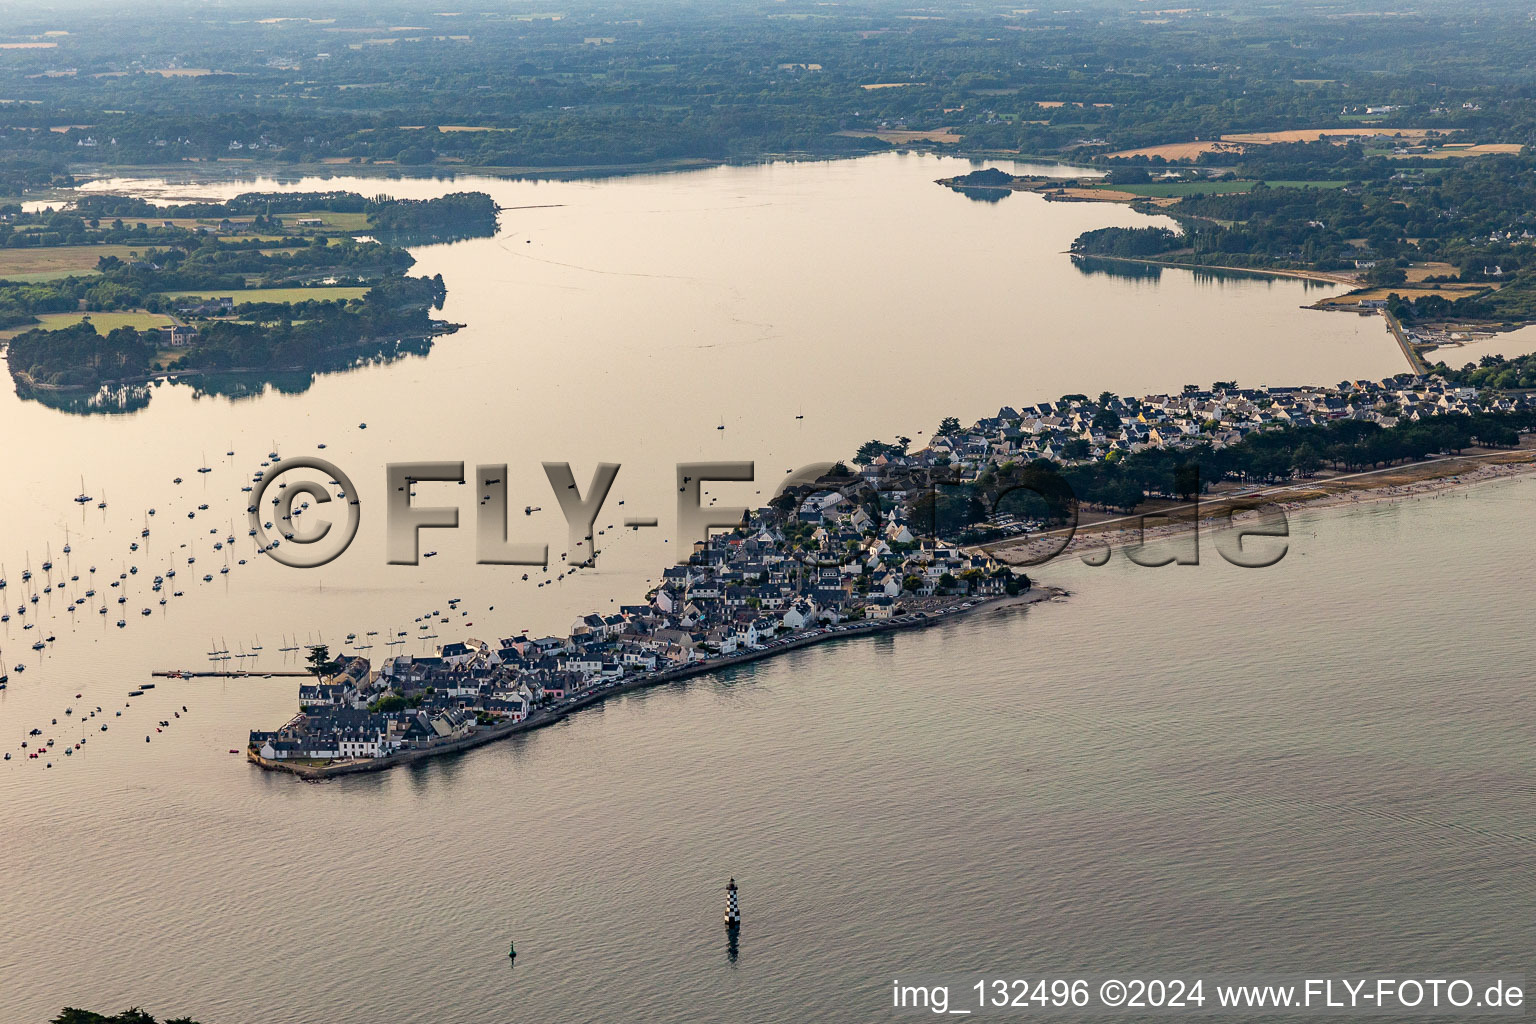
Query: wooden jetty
{"type": "Point", "coordinates": [232, 674]}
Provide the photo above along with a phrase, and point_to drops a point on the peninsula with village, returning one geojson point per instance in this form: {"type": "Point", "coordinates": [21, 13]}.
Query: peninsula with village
{"type": "Point", "coordinates": [903, 539]}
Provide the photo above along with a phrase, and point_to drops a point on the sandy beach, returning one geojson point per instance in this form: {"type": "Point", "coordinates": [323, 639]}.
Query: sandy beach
{"type": "Point", "coordinates": [1432, 478]}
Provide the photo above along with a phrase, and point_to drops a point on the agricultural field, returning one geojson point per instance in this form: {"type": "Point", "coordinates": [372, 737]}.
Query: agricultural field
{"type": "Point", "coordinates": [1235, 143]}
{"type": "Point", "coordinates": [1179, 150]}
{"type": "Point", "coordinates": [105, 322]}
{"type": "Point", "coordinates": [185, 222]}
{"type": "Point", "coordinates": [1419, 271]}
{"type": "Point", "coordinates": [1453, 292]}
{"type": "Point", "coordinates": [1177, 189]}
{"type": "Point", "coordinates": [1453, 150]}
{"type": "Point", "coordinates": [334, 221]}
{"type": "Point", "coordinates": [1098, 193]}
{"type": "Point", "coordinates": [1313, 134]}
{"type": "Point", "coordinates": [56, 261]}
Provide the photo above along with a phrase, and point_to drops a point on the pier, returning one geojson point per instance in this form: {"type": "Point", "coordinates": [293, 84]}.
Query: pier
{"type": "Point", "coordinates": [1416, 361]}
{"type": "Point", "coordinates": [231, 674]}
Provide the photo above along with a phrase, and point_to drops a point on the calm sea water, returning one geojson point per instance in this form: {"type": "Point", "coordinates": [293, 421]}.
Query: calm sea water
{"type": "Point", "coordinates": [1323, 765]}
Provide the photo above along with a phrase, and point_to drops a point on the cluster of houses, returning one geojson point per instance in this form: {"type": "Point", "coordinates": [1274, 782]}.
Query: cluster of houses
{"type": "Point", "coordinates": [219, 306]}
{"type": "Point", "coordinates": [828, 561]}
{"type": "Point", "coordinates": [1077, 429]}
{"type": "Point", "coordinates": [828, 564]}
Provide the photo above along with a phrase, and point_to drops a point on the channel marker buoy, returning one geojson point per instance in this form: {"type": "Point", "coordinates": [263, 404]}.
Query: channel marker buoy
{"type": "Point", "coordinates": [732, 907]}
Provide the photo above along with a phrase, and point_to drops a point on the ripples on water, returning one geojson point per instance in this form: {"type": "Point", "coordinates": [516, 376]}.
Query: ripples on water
{"type": "Point", "coordinates": [1324, 765]}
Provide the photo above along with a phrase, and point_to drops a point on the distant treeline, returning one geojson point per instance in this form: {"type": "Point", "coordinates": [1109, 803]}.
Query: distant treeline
{"type": "Point", "coordinates": [1138, 243]}
{"type": "Point", "coordinates": [244, 205]}
{"type": "Point", "coordinates": [629, 82]}
{"type": "Point", "coordinates": [457, 210]}
{"type": "Point", "coordinates": [99, 220]}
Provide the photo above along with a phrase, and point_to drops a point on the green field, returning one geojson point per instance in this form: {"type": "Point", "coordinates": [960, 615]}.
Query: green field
{"type": "Point", "coordinates": [105, 322]}
{"type": "Point", "coordinates": [335, 221]}
{"type": "Point", "coordinates": [46, 275]}
{"type": "Point", "coordinates": [58, 260]}
{"type": "Point", "coordinates": [51, 263]}
{"type": "Point", "coordinates": [1172, 189]}
{"type": "Point", "coordinates": [276, 294]}
{"type": "Point", "coordinates": [1169, 189]}
{"type": "Point", "coordinates": [1306, 184]}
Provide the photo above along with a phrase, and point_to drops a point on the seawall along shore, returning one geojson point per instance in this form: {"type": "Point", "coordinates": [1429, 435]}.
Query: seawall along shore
{"type": "Point", "coordinates": [542, 718]}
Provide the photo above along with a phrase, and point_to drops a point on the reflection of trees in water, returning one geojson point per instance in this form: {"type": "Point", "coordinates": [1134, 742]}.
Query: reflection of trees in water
{"type": "Point", "coordinates": [411, 239]}
{"type": "Point", "coordinates": [106, 400]}
{"type": "Point", "coordinates": [983, 195]}
{"type": "Point", "coordinates": [236, 385]}
{"type": "Point", "coordinates": [1127, 271]}
{"type": "Point", "coordinates": [1130, 270]}
{"type": "Point", "coordinates": [233, 385]}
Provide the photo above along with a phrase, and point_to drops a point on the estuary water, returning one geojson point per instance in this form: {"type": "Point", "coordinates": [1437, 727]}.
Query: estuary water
{"type": "Point", "coordinates": [1322, 766]}
{"type": "Point", "coordinates": [802, 307]}
{"type": "Point", "coordinates": [1325, 764]}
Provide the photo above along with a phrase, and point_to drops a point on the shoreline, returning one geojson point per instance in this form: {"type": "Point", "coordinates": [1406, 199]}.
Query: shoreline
{"type": "Point", "coordinates": [1325, 276]}
{"type": "Point", "coordinates": [544, 718]}
{"type": "Point", "coordinates": [1211, 514]}
{"type": "Point", "coordinates": [24, 379]}
{"type": "Point", "coordinates": [193, 173]}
